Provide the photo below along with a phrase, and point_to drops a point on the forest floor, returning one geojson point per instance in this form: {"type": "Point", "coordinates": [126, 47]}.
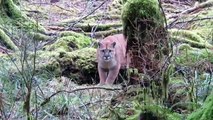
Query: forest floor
{"type": "Point", "coordinates": [66, 15]}
{"type": "Point", "coordinates": [52, 14]}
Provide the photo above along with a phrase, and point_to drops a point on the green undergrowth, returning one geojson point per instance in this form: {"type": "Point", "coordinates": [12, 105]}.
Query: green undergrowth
{"type": "Point", "coordinates": [205, 112]}
{"type": "Point", "coordinates": [64, 102]}
{"type": "Point", "coordinates": [138, 104]}
{"type": "Point", "coordinates": [153, 112]}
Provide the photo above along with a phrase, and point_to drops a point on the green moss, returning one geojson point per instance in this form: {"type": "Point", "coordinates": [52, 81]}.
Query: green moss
{"type": "Point", "coordinates": [12, 14]}
{"type": "Point", "coordinates": [13, 20]}
{"type": "Point", "coordinates": [139, 10]}
{"type": "Point", "coordinates": [199, 28]}
{"type": "Point", "coordinates": [205, 112]}
{"type": "Point", "coordinates": [186, 34]}
{"type": "Point", "coordinates": [7, 41]}
{"type": "Point", "coordinates": [84, 58]}
{"type": "Point", "coordinates": [191, 43]}
{"type": "Point", "coordinates": [40, 37]}
{"type": "Point", "coordinates": [43, 55]}
{"type": "Point", "coordinates": [78, 65]}
{"type": "Point", "coordinates": [142, 9]}
{"type": "Point", "coordinates": [184, 46]}
{"type": "Point", "coordinates": [190, 37]}
{"type": "Point", "coordinates": [70, 41]}
{"type": "Point", "coordinates": [166, 79]}
{"type": "Point", "coordinates": [152, 111]}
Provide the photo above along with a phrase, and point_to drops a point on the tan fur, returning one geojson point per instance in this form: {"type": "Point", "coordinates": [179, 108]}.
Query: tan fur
{"type": "Point", "coordinates": [108, 70]}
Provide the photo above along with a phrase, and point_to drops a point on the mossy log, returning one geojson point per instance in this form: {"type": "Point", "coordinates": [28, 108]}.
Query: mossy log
{"type": "Point", "coordinates": [11, 13]}
{"type": "Point", "coordinates": [70, 56]}
{"type": "Point", "coordinates": [69, 41]}
{"type": "Point", "coordinates": [78, 65]}
{"type": "Point", "coordinates": [190, 37]}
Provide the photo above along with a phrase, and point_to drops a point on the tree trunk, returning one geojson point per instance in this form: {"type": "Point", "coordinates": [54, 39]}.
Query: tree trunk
{"type": "Point", "coordinates": [143, 25]}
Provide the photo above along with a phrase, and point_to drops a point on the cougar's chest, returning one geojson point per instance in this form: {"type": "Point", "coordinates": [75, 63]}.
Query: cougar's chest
{"type": "Point", "coordinates": [107, 65]}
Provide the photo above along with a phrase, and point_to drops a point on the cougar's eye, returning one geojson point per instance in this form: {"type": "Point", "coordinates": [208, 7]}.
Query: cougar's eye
{"type": "Point", "coordinates": [110, 50]}
{"type": "Point", "coordinates": [102, 50]}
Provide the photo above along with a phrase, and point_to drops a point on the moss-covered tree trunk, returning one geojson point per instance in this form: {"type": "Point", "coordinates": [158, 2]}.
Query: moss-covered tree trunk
{"type": "Point", "coordinates": [13, 19]}
{"type": "Point", "coordinates": [143, 25]}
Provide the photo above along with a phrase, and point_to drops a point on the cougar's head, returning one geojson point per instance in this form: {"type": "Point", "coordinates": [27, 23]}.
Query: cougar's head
{"type": "Point", "coordinates": [106, 50]}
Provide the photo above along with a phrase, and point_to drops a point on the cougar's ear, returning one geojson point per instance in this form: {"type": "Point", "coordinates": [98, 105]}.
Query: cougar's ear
{"type": "Point", "coordinates": [99, 44]}
{"type": "Point", "coordinates": [113, 44]}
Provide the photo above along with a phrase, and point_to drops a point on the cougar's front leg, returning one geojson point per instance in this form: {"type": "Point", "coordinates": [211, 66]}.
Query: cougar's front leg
{"type": "Point", "coordinates": [102, 75]}
{"type": "Point", "coordinates": [112, 75]}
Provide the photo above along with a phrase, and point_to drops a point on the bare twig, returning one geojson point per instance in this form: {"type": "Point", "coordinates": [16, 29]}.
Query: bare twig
{"type": "Point", "coordinates": [77, 89]}
{"type": "Point", "coordinates": [80, 19]}
{"type": "Point", "coordinates": [193, 20]}
{"type": "Point", "coordinates": [94, 102]}
{"type": "Point", "coordinates": [63, 8]}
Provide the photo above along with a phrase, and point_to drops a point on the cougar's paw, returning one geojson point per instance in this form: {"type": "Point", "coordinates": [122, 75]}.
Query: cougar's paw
{"type": "Point", "coordinates": [100, 84]}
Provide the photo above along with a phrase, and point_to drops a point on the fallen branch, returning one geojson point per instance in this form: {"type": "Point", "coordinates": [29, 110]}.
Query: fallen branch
{"type": "Point", "coordinates": [4, 50]}
{"type": "Point", "coordinates": [176, 2]}
{"type": "Point", "coordinates": [6, 41]}
{"type": "Point", "coordinates": [177, 16]}
{"type": "Point", "coordinates": [193, 20]}
{"type": "Point", "coordinates": [77, 89]}
{"type": "Point", "coordinates": [206, 4]}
